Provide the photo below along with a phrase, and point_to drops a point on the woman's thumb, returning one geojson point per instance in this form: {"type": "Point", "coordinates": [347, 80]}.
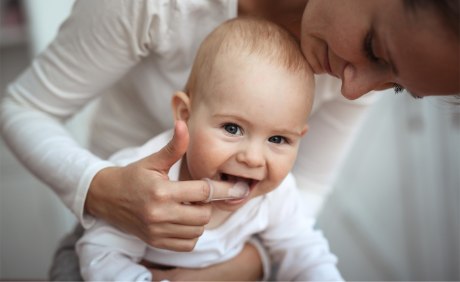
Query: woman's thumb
{"type": "Point", "coordinates": [164, 159]}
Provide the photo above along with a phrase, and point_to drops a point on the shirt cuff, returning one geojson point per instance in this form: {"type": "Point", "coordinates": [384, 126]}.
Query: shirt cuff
{"type": "Point", "coordinates": [83, 217]}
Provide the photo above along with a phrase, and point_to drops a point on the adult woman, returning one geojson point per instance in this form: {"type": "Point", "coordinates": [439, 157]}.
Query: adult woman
{"type": "Point", "coordinates": [138, 52]}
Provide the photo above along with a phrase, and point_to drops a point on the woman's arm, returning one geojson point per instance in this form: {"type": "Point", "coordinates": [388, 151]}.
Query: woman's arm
{"type": "Point", "coordinates": [96, 46]}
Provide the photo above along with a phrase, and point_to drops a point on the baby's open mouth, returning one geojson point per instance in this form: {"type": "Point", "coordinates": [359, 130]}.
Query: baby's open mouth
{"type": "Point", "coordinates": [235, 179]}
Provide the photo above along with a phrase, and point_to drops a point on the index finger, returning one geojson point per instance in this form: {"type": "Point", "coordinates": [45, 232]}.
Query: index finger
{"type": "Point", "coordinates": [207, 190]}
{"type": "Point", "coordinates": [220, 191]}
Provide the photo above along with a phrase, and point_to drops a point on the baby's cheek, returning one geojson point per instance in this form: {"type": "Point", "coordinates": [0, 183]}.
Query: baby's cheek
{"type": "Point", "coordinates": [280, 169]}
{"type": "Point", "coordinates": [276, 177]}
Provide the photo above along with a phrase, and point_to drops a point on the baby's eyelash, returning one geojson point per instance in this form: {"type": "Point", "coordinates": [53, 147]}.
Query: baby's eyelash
{"type": "Point", "coordinates": [368, 48]}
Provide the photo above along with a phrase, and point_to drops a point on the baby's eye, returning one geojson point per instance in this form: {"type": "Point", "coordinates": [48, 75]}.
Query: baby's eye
{"type": "Point", "coordinates": [277, 139]}
{"type": "Point", "coordinates": [233, 129]}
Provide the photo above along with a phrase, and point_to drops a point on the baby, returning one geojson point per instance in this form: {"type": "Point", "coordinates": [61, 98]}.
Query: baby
{"type": "Point", "coordinates": [246, 106]}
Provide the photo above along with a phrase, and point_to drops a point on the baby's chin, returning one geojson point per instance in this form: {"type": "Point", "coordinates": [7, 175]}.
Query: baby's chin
{"type": "Point", "coordinates": [235, 204]}
{"type": "Point", "coordinates": [231, 205]}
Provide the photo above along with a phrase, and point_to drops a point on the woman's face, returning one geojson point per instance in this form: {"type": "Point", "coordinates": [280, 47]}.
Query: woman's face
{"type": "Point", "coordinates": [372, 45]}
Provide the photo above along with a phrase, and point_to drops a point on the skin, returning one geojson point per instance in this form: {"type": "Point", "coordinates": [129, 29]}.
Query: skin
{"type": "Point", "coordinates": [334, 33]}
{"type": "Point", "coordinates": [332, 29]}
{"type": "Point", "coordinates": [235, 133]}
{"type": "Point", "coordinates": [154, 215]}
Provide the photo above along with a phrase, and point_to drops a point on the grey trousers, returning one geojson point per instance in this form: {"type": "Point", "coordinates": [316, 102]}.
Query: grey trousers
{"type": "Point", "coordinates": [65, 265]}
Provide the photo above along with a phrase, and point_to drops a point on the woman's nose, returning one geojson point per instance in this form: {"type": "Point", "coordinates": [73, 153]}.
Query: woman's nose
{"type": "Point", "coordinates": [251, 154]}
{"type": "Point", "coordinates": [358, 81]}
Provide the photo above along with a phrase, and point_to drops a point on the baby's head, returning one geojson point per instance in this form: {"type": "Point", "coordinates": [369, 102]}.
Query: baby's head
{"type": "Point", "coordinates": [246, 105]}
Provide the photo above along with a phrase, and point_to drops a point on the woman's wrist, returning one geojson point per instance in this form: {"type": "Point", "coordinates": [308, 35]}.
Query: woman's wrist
{"type": "Point", "coordinates": [97, 196]}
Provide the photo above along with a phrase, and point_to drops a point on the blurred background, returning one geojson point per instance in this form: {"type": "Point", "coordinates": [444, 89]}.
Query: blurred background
{"type": "Point", "coordinates": [394, 213]}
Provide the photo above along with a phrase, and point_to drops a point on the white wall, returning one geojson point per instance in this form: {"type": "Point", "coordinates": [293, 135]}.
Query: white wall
{"type": "Point", "coordinates": [395, 212]}
{"type": "Point", "coordinates": [32, 219]}
{"type": "Point", "coordinates": [44, 19]}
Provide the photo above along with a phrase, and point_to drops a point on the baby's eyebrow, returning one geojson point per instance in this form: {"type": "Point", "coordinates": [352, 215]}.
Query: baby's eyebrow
{"type": "Point", "coordinates": [288, 132]}
{"type": "Point", "coordinates": [229, 116]}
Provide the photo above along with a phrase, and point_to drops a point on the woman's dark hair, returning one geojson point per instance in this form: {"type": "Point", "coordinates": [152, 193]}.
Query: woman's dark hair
{"type": "Point", "coordinates": [449, 10]}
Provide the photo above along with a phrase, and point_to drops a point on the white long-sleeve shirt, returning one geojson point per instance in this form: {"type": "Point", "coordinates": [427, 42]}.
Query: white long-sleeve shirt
{"type": "Point", "coordinates": [134, 55]}
{"type": "Point", "coordinates": [107, 254]}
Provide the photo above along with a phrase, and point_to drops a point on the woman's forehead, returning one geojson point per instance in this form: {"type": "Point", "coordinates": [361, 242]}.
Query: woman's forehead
{"type": "Point", "coordinates": [425, 51]}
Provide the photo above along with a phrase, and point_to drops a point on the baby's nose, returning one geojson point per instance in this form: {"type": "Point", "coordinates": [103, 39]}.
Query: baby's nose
{"type": "Point", "coordinates": [251, 154]}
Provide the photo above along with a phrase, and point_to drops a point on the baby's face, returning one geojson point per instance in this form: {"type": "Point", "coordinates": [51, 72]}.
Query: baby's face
{"type": "Point", "coordinates": [248, 126]}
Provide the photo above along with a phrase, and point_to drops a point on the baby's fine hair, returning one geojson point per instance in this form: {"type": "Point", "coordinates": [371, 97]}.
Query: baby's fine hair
{"type": "Point", "coordinates": [247, 36]}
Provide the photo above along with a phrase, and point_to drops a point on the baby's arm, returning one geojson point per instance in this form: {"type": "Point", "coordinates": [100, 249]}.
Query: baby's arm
{"type": "Point", "coordinates": [301, 252]}
{"type": "Point", "coordinates": [107, 254]}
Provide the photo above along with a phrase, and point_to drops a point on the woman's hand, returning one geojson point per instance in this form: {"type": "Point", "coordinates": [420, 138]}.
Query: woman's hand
{"type": "Point", "coordinates": [247, 266]}
{"type": "Point", "coordinates": [140, 199]}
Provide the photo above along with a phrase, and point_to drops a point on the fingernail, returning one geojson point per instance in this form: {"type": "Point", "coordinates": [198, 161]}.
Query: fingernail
{"type": "Point", "coordinates": [239, 190]}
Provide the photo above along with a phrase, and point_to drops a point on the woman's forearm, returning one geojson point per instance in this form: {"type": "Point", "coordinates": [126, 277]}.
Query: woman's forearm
{"type": "Point", "coordinates": [46, 148]}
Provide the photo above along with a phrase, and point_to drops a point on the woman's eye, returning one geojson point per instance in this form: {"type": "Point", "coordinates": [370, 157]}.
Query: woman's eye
{"type": "Point", "coordinates": [277, 139]}
{"type": "Point", "coordinates": [233, 129]}
{"type": "Point", "coordinates": [369, 47]}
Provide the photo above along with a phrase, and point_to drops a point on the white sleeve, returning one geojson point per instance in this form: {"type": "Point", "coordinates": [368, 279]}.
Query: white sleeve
{"type": "Point", "coordinates": [332, 127]}
{"type": "Point", "coordinates": [107, 254]}
{"type": "Point", "coordinates": [97, 45]}
{"type": "Point", "coordinates": [300, 252]}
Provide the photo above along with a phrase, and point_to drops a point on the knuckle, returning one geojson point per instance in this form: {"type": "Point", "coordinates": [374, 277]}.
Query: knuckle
{"type": "Point", "coordinates": [154, 216]}
{"type": "Point", "coordinates": [195, 233]}
{"type": "Point", "coordinates": [207, 212]}
{"type": "Point", "coordinates": [189, 245]}
{"type": "Point", "coordinates": [170, 149]}
{"type": "Point", "coordinates": [203, 219]}
{"type": "Point", "coordinates": [199, 231]}
{"type": "Point", "coordinates": [205, 190]}
{"type": "Point", "coordinates": [153, 232]}
{"type": "Point", "coordinates": [160, 195]}
{"type": "Point", "coordinates": [152, 241]}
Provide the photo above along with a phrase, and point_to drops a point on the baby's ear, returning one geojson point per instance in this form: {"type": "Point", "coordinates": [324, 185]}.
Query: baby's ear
{"type": "Point", "coordinates": [181, 106]}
